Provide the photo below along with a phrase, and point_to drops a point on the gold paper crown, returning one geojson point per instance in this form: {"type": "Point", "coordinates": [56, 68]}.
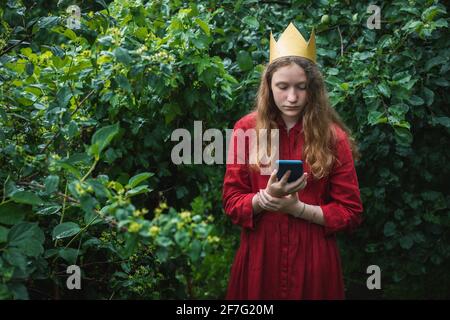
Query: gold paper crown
{"type": "Point", "coordinates": [292, 43]}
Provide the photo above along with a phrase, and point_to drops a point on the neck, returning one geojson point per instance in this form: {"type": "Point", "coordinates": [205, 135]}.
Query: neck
{"type": "Point", "coordinates": [289, 121]}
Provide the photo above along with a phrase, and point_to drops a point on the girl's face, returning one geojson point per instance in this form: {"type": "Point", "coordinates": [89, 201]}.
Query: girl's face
{"type": "Point", "coordinates": [289, 91]}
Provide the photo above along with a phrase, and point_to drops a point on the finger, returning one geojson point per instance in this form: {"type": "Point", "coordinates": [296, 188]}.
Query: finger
{"type": "Point", "coordinates": [296, 189]}
{"type": "Point", "coordinates": [271, 199]}
{"type": "Point", "coordinates": [297, 184]}
{"type": "Point", "coordinates": [266, 206]}
{"type": "Point", "coordinates": [273, 177]}
{"type": "Point", "coordinates": [285, 177]}
{"type": "Point", "coordinates": [299, 180]}
{"type": "Point", "coordinates": [267, 199]}
{"type": "Point", "coordinates": [264, 196]}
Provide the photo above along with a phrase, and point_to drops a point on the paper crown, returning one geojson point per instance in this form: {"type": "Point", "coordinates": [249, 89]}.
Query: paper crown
{"type": "Point", "coordinates": [292, 43]}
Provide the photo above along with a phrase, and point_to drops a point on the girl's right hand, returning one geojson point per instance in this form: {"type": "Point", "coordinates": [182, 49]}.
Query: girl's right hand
{"type": "Point", "coordinates": [282, 188]}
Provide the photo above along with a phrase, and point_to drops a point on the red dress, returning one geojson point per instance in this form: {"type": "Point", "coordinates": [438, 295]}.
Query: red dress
{"type": "Point", "coordinates": [282, 257]}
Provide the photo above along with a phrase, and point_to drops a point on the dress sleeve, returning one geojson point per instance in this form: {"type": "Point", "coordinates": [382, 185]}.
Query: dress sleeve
{"type": "Point", "coordinates": [237, 192]}
{"type": "Point", "coordinates": [344, 208]}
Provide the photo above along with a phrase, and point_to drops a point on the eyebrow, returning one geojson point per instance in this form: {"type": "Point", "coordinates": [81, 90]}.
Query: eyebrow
{"type": "Point", "coordinates": [283, 82]}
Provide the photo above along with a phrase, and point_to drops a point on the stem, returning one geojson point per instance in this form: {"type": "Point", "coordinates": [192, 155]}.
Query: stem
{"type": "Point", "coordinates": [4, 189]}
{"type": "Point", "coordinates": [64, 203]}
{"type": "Point", "coordinates": [75, 111]}
{"type": "Point", "coordinates": [6, 201]}
{"type": "Point", "coordinates": [63, 209]}
{"type": "Point", "coordinates": [90, 170]}
{"type": "Point", "coordinates": [75, 236]}
{"type": "Point", "coordinates": [79, 232]}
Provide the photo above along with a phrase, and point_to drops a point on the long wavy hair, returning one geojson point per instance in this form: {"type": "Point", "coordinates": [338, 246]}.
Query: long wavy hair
{"type": "Point", "coordinates": [318, 117]}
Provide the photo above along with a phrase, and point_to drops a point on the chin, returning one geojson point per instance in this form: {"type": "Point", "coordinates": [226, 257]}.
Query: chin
{"type": "Point", "coordinates": [291, 113]}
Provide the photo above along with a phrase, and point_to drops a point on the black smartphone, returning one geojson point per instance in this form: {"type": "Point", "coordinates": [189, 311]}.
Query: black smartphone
{"type": "Point", "coordinates": [296, 167]}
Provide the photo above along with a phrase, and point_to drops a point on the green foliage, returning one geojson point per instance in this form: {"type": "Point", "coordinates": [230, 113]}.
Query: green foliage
{"type": "Point", "coordinates": [86, 117]}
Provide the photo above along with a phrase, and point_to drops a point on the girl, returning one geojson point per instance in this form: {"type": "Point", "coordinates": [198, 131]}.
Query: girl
{"type": "Point", "coordinates": [288, 247]}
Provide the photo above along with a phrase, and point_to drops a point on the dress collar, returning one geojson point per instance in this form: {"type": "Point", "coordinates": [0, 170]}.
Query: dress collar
{"type": "Point", "coordinates": [298, 127]}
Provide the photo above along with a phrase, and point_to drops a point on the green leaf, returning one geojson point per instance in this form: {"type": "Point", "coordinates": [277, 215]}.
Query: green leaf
{"type": "Point", "coordinates": [91, 217]}
{"type": "Point", "coordinates": [11, 213]}
{"type": "Point", "coordinates": [106, 40]}
{"type": "Point", "coordinates": [443, 121]}
{"type": "Point", "coordinates": [244, 60]}
{"type": "Point", "coordinates": [164, 241]}
{"type": "Point", "coordinates": [15, 257]}
{"type": "Point", "coordinates": [3, 234]}
{"type": "Point", "coordinates": [131, 241]}
{"type": "Point", "coordinates": [46, 211]}
{"type": "Point", "coordinates": [72, 130]}
{"type": "Point", "coordinates": [403, 136]}
{"type": "Point", "coordinates": [251, 21]}
{"type": "Point", "coordinates": [64, 230]}
{"type": "Point", "coordinates": [429, 96]}
{"type": "Point", "coordinates": [103, 3]}
{"type": "Point", "coordinates": [63, 96]}
{"type": "Point", "coordinates": [122, 55]}
{"type": "Point", "coordinates": [137, 179]}
{"type": "Point", "coordinates": [3, 115]}
{"type": "Point", "coordinates": [344, 86]}
{"type": "Point", "coordinates": [69, 254]}
{"type": "Point", "coordinates": [65, 165]}
{"type": "Point", "coordinates": [416, 101]}
{"type": "Point", "coordinates": [181, 238]}
{"type": "Point", "coordinates": [48, 22]}
{"type": "Point", "coordinates": [201, 41]}
{"type": "Point", "coordinates": [376, 117]}
{"type": "Point", "coordinates": [19, 291]}
{"type": "Point", "coordinates": [406, 242]}
{"type": "Point", "coordinates": [138, 190]}
{"type": "Point", "coordinates": [435, 61]}
{"type": "Point", "coordinates": [162, 253]}
{"type": "Point", "coordinates": [384, 89]}
{"type": "Point", "coordinates": [202, 24]}
{"type": "Point", "coordinates": [26, 197]}
{"type": "Point", "coordinates": [442, 82]}
{"type": "Point", "coordinates": [29, 68]}
{"type": "Point", "coordinates": [429, 14]}
{"type": "Point", "coordinates": [27, 237]}
{"type": "Point", "coordinates": [123, 83]}
{"type": "Point", "coordinates": [32, 248]}
{"type": "Point", "coordinates": [70, 34]}
{"type": "Point", "coordinates": [389, 229]}
{"type": "Point", "coordinates": [100, 190]}
{"type": "Point", "coordinates": [332, 72]}
{"type": "Point", "coordinates": [102, 138]}
{"type": "Point", "coordinates": [51, 184]}
{"type": "Point", "coordinates": [195, 250]}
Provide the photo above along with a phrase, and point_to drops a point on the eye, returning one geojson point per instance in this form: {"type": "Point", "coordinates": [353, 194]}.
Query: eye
{"type": "Point", "coordinates": [282, 87]}
{"type": "Point", "coordinates": [302, 87]}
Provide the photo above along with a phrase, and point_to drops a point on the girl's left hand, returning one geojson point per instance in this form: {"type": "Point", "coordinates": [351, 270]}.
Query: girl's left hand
{"type": "Point", "coordinates": [287, 204]}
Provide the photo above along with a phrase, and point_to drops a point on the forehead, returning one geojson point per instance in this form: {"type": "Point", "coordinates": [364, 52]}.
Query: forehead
{"type": "Point", "coordinates": [292, 73]}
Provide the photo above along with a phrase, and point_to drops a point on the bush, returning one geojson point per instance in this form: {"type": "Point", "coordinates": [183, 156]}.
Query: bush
{"type": "Point", "coordinates": [86, 116]}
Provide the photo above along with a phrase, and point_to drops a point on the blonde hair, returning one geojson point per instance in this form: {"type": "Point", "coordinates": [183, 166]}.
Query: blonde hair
{"type": "Point", "coordinates": [318, 117]}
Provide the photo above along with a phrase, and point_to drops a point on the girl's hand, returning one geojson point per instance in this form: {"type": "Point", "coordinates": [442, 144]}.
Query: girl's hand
{"type": "Point", "coordinates": [282, 188]}
{"type": "Point", "coordinates": [288, 204]}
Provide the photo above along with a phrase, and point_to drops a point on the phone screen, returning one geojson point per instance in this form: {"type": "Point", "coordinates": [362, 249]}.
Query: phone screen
{"type": "Point", "coordinates": [295, 166]}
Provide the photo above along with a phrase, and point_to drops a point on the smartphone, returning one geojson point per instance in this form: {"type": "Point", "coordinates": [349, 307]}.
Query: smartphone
{"type": "Point", "coordinates": [296, 167]}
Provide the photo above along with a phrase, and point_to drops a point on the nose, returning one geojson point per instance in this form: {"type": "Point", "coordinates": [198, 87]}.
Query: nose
{"type": "Point", "coordinates": [292, 96]}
